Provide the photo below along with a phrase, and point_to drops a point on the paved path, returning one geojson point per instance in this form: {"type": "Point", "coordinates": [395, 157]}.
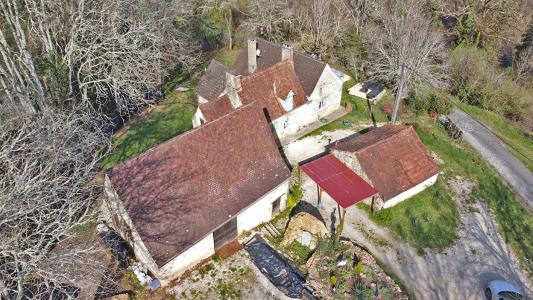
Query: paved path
{"type": "Point", "coordinates": [492, 149]}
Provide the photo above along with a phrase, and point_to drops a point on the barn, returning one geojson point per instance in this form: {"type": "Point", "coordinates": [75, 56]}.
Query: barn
{"type": "Point", "coordinates": [179, 202]}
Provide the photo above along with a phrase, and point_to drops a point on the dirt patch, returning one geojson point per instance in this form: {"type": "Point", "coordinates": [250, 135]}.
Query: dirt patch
{"type": "Point", "coordinates": [229, 249]}
{"type": "Point", "coordinates": [232, 278]}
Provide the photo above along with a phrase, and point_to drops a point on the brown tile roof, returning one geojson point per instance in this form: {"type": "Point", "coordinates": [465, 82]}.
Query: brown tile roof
{"type": "Point", "coordinates": [217, 108]}
{"type": "Point", "coordinates": [264, 87]}
{"type": "Point", "coordinates": [178, 192]}
{"type": "Point", "coordinates": [393, 158]}
{"type": "Point", "coordinates": [307, 69]}
{"type": "Point", "coordinates": [213, 81]}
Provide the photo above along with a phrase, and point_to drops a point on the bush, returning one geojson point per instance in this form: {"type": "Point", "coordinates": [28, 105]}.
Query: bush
{"type": "Point", "coordinates": [295, 195]}
{"type": "Point", "coordinates": [434, 102]}
{"type": "Point", "coordinates": [383, 216]}
{"type": "Point", "coordinates": [476, 81]}
{"type": "Point", "coordinates": [299, 252]}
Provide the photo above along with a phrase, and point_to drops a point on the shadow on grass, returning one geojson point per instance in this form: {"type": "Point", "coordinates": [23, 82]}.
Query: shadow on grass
{"type": "Point", "coordinates": [170, 119]}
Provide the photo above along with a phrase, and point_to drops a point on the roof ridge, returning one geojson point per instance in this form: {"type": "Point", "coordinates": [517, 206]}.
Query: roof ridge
{"type": "Point", "coordinates": [295, 52]}
{"type": "Point", "coordinates": [379, 142]}
{"type": "Point", "coordinates": [215, 121]}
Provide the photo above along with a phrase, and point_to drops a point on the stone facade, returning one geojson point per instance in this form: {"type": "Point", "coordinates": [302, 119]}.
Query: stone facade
{"type": "Point", "coordinates": [116, 216]}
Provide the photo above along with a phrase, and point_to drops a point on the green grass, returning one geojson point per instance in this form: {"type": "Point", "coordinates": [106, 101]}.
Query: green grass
{"type": "Point", "coordinates": [358, 115]}
{"type": "Point", "coordinates": [515, 222]}
{"type": "Point", "coordinates": [228, 57]}
{"type": "Point", "coordinates": [169, 119]}
{"type": "Point", "coordinates": [519, 143]}
{"type": "Point", "coordinates": [427, 220]}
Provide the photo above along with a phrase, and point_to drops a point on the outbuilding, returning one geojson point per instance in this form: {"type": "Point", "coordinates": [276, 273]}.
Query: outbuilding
{"type": "Point", "coordinates": [179, 202]}
{"type": "Point", "coordinates": [390, 158]}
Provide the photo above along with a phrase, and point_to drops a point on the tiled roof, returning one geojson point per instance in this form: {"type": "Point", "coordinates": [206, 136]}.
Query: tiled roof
{"type": "Point", "coordinates": [393, 158]}
{"type": "Point", "coordinates": [178, 192]}
{"type": "Point", "coordinates": [215, 109]}
{"type": "Point", "coordinates": [307, 69]}
{"type": "Point", "coordinates": [265, 87]}
{"type": "Point", "coordinates": [212, 83]}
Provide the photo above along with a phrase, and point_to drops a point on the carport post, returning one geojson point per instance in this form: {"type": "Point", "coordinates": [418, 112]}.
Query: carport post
{"type": "Point", "coordinates": [319, 205]}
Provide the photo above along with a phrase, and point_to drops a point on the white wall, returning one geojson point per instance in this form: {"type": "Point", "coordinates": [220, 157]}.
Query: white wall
{"type": "Point", "coordinates": [197, 118]}
{"type": "Point", "coordinates": [192, 256]}
{"type": "Point", "coordinates": [328, 88]}
{"type": "Point", "coordinates": [411, 192]}
{"type": "Point", "coordinates": [255, 214]}
{"type": "Point", "coordinates": [261, 210]}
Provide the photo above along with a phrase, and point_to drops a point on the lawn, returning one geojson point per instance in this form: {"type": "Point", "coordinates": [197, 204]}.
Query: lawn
{"type": "Point", "coordinates": [359, 114]}
{"type": "Point", "coordinates": [228, 57]}
{"type": "Point", "coordinates": [427, 220]}
{"type": "Point", "coordinates": [515, 222]}
{"type": "Point", "coordinates": [168, 119]}
{"type": "Point", "coordinates": [519, 143]}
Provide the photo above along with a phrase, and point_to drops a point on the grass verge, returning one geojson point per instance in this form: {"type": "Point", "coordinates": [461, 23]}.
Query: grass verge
{"type": "Point", "coordinates": [168, 119]}
{"type": "Point", "coordinates": [515, 222]}
{"type": "Point", "coordinates": [519, 143]}
{"type": "Point", "coordinates": [428, 220]}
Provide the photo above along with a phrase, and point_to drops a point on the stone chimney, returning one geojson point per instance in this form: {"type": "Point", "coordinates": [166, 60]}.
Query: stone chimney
{"type": "Point", "coordinates": [252, 55]}
{"type": "Point", "coordinates": [287, 52]}
{"type": "Point", "coordinates": [233, 85]}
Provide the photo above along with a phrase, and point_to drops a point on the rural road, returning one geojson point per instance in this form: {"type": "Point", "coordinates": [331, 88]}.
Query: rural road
{"type": "Point", "coordinates": [492, 149]}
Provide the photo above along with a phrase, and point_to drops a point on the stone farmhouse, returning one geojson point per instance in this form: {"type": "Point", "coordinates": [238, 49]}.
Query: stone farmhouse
{"type": "Point", "coordinates": [179, 202]}
{"type": "Point", "coordinates": [295, 90]}
{"type": "Point", "coordinates": [392, 159]}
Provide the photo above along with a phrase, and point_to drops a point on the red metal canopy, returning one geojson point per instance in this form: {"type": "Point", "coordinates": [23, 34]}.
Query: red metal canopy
{"type": "Point", "coordinates": [336, 179]}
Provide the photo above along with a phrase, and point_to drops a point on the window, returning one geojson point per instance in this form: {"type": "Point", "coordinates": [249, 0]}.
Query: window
{"type": "Point", "coordinates": [322, 103]}
{"type": "Point", "coordinates": [286, 123]}
{"type": "Point", "coordinates": [276, 206]}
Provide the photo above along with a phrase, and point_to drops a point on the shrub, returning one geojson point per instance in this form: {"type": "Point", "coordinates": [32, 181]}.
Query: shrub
{"type": "Point", "coordinates": [295, 195]}
{"type": "Point", "coordinates": [433, 102]}
{"type": "Point", "coordinates": [383, 216]}
{"type": "Point", "coordinates": [361, 292]}
{"type": "Point", "coordinates": [333, 280]}
{"type": "Point", "coordinates": [358, 268]}
{"type": "Point", "coordinates": [299, 252]}
{"type": "Point", "coordinates": [386, 293]}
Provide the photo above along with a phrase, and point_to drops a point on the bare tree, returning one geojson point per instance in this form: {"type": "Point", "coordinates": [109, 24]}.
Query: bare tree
{"type": "Point", "coordinates": [358, 11]}
{"type": "Point", "coordinates": [48, 163]}
{"type": "Point", "coordinates": [276, 16]}
{"type": "Point", "coordinates": [113, 51]}
{"type": "Point", "coordinates": [402, 34]}
{"type": "Point", "coordinates": [320, 23]}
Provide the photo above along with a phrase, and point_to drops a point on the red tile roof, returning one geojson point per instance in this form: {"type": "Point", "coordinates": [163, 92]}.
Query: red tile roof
{"type": "Point", "coordinates": [265, 87]}
{"type": "Point", "coordinates": [393, 158]}
{"type": "Point", "coordinates": [308, 70]}
{"type": "Point", "coordinates": [215, 109]}
{"type": "Point", "coordinates": [336, 179]}
{"type": "Point", "coordinates": [178, 192]}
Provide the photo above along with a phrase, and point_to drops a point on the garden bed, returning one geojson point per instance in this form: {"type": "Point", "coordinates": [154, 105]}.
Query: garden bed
{"type": "Point", "coordinates": [343, 270]}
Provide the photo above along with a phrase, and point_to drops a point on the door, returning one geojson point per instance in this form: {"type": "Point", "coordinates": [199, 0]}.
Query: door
{"type": "Point", "coordinates": [275, 206]}
{"type": "Point", "coordinates": [226, 233]}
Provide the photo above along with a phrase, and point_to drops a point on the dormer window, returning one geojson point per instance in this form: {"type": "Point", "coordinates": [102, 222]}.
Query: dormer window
{"type": "Point", "coordinates": [288, 103]}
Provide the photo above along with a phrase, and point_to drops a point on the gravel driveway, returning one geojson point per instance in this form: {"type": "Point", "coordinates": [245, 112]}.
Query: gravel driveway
{"type": "Point", "coordinates": [492, 149]}
{"type": "Point", "coordinates": [460, 272]}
